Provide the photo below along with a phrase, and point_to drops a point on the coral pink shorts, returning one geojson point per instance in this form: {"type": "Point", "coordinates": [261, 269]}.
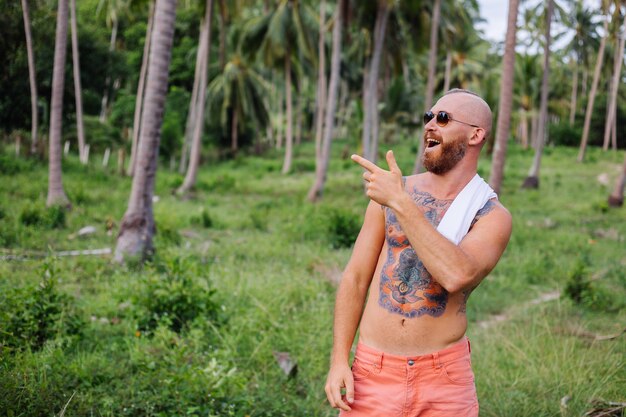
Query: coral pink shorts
{"type": "Point", "coordinates": [434, 385]}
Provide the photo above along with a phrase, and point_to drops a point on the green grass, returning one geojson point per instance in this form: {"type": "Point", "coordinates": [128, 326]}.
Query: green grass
{"type": "Point", "coordinates": [248, 234]}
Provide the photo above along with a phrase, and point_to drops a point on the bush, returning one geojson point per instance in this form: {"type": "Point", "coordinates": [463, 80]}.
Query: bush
{"type": "Point", "coordinates": [11, 165]}
{"type": "Point", "coordinates": [343, 228]}
{"type": "Point", "coordinates": [52, 217]}
{"type": "Point", "coordinates": [171, 295]}
{"type": "Point", "coordinates": [565, 134]}
{"type": "Point", "coordinates": [36, 314]}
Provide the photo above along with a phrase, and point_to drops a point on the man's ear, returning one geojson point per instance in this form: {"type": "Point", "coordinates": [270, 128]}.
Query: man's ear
{"type": "Point", "coordinates": [478, 136]}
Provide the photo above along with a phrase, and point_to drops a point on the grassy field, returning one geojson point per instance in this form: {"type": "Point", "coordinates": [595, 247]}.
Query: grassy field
{"type": "Point", "coordinates": [246, 268]}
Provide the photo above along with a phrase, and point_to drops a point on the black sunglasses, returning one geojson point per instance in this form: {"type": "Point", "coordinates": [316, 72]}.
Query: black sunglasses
{"type": "Point", "coordinates": [443, 118]}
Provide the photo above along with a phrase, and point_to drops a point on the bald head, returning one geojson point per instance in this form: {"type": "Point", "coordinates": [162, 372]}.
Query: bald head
{"type": "Point", "coordinates": [470, 106]}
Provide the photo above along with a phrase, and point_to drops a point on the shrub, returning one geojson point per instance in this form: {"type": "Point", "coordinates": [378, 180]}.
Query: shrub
{"type": "Point", "coordinates": [564, 134]}
{"type": "Point", "coordinates": [578, 285]}
{"type": "Point", "coordinates": [170, 294]}
{"type": "Point", "coordinates": [31, 216]}
{"type": "Point", "coordinates": [36, 314]}
{"type": "Point", "coordinates": [343, 228]}
{"type": "Point", "coordinates": [11, 165]}
{"type": "Point", "coordinates": [52, 217]}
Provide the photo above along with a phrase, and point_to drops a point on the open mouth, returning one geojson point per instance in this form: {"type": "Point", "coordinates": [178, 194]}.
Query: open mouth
{"type": "Point", "coordinates": [431, 143]}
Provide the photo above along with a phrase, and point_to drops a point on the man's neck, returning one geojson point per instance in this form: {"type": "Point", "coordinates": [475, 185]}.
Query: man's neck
{"type": "Point", "coordinates": [449, 185]}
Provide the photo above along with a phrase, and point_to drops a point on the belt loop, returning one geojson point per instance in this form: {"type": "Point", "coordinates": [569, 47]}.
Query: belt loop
{"type": "Point", "coordinates": [380, 361]}
{"type": "Point", "coordinates": [469, 346]}
{"type": "Point", "coordinates": [436, 361]}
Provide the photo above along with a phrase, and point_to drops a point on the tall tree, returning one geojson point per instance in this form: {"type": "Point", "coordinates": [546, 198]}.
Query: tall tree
{"type": "Point", "coordinates": [370, 105]}
{"type": "Point", "coordinates": [617, 71]}
{"type": "Point", "coordinates": [141, 91]}
{"type": "Point", "coordinates": [321, 163]}
{"type": "Point", "coordinates": [532, 181]}
{"type": "Point", "coordinates": [78, 94]}
{"type": "Point", "coordinates": [506, 99]}
{"type": "Point", "coordinates": [594, 89]}
{"type": "Point", "coordinates": [321, 80]}
{"type": "Point", "coordinates": [281, 36]}
{"type": "Point", "coordinates": [31, 77]}
{"type": "Point", "coordinates": [196, 142]}
{"type": "Point", "coordinates": [112, 10]}
{"type": "Point", "coordinates": [137, 227]}
{"type": "Point", "coordinates": [432, 67]}
{"type": "Point", "coordinates": [616, 199]}
{"type": "Point", "coordinates": [239, 92]}
{"type": "Point", "coordinates": [56, 193]}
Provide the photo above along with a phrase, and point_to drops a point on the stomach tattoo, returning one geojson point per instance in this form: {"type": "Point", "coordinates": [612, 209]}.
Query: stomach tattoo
{"type": "Point", "coordinates": [406, 286]}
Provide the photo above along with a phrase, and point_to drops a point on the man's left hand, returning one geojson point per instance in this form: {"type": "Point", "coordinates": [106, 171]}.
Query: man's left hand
{"type": "Point", "coordinates": [384, 187]}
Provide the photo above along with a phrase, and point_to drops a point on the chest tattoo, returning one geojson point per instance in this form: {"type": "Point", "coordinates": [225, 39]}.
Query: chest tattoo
{"type": "Point", "coordinates": [406, 286]}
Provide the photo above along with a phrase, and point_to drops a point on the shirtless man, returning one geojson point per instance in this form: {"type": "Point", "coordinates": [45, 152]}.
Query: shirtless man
{"type": "Point", "coordinates": [412, 357]}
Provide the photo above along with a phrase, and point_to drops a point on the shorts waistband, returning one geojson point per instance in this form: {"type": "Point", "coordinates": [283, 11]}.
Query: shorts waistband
{"type": "Point", "coordinates": [368, 354]}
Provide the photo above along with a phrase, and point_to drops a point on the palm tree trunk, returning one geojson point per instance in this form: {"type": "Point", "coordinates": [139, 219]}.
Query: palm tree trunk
{"type": "Point", "coordinates": [77, 87]}
{"type": "Point", "coordinates": [365, 134]}
{"type": "Point", "coordinates": [140, 91]}
{"type": "Point", "coordinates": [196, 143]}
{"type": "Point", "coordinates": [430, 84]}
{"type": "Point", "coordinates": [234, 132]}
{"type": "Point", "coordinates": [574, 97]}
{"type": "Point", "coordinates": [524, 128]}
{"type": "Point", "coordinates": [371, 115]}
{"type": "Point", "coordinates": [56, 194]}
{"type": "Point", "coordinates": [592, 93]}
{"type": "Point", "coordinates": [532, 181]}
{"type": "Point", "coordinates": [105, 97]}
{"type": "Point", "coordinates": [333, 91]}
{"type": "Point", "coordinates": [616, 199]}
{"type": "Point", "coordinates": [31, 77]}
{"type": "Point", "coordinates": [321, 84]}
{"type": "Point", "coordinates": [506, 100]}
{"type": "Point", "coordinates": [432, 55]}
{"type": "Point", "coordinates": [222, 27]}
{"type": "Point", "coordinates": [288, 133]}
{"type": "Point", "coordinates": [617, 71]}
{"type": "Point", "coordinates": [137, 227]}
{"type": "Point", "coordinates": [447, 76]}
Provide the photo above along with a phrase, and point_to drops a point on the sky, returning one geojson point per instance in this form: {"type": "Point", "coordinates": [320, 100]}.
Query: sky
{"type": "Point", "coordinates": [495, 13]}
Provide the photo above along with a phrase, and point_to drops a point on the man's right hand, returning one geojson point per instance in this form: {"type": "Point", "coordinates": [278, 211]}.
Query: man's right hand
{"type": "Point", "coordinates": [340, 377]}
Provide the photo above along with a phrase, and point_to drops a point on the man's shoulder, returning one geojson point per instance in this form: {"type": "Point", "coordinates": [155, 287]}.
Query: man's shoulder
{"type": "Point", "coordinates": [495, 207]}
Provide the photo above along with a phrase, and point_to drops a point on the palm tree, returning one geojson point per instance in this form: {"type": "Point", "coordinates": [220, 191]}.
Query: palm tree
{"type": "Point", "coordinates": [239, 92]}
{"type": "Point", "coordinates": [137, 227]}
{"type": "Point", "coordinates": [506, 99]}
{"type": "Point", "coordinates": [532, 181]}
{"type": "Point", "coordinates": [617, 71]}
{"type": "Point", "coordinates": [321, 81]}
{"type": "Point", "coordinates": [583, 43]}
{"type": "Point", "coordinates": [78, 95]}
{"type": "Point", "coordinates": [140, 91]}
{"type": "Point", "coordinates": [278, 35]}
{"type": "Point", "coordinates": [31, 77]}
{"type": "Point", "coordinates": [112, 9]}
{"type": "Point", "coordinates": [322, 161]}
{"type": "Point", "coordinates": [370, 93]}
{"type": "Point", "coordinates": [616, 199]}
{"type": "Point", "coordinates": [56, 194]}
{"type": "Point", "coordinates": [196, 142]}
{"type": "Point", "coordinates": [594, 89]}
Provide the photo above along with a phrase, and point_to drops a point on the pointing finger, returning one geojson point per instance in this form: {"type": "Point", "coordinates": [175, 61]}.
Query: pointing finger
{"type": "Point", "coordinates": [370, 166]}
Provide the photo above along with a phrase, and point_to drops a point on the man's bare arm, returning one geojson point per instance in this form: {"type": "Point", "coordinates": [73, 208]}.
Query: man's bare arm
{"type": "Point", "coordinates": [454, 267]}
{"type": "Point", "coordinates": [349, 304]}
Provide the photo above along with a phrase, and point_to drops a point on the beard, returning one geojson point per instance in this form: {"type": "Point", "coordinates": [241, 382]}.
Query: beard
{"type": "Point", "coordinates": [450, 154]}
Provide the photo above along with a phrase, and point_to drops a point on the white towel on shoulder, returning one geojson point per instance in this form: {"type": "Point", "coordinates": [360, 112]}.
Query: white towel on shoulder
{"type": "Point", "coordinates": [458, 219]}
